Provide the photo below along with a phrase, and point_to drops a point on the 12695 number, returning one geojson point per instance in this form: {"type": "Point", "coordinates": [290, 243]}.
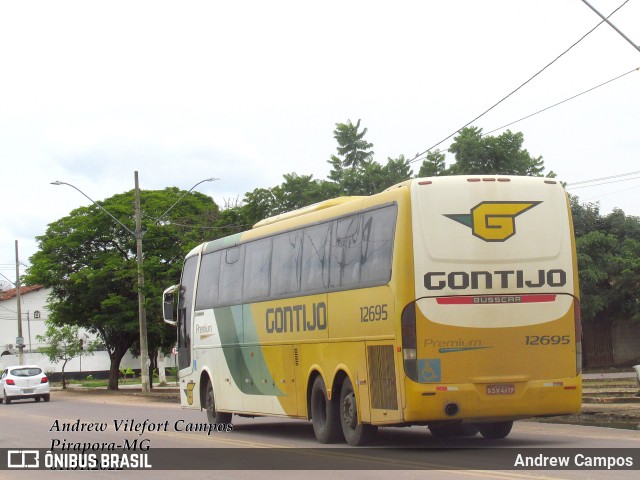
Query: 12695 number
{"type": "Point", "coordinates": [374, 313]}
{"type": "Point", "coordinates": [547, 340]}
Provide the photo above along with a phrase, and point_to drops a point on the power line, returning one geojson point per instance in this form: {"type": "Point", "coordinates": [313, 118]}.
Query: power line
{"type": "Point", "coordinates": [603, 178]}
{"type": "Point", "coordinates": [603, 183]}
{"type": "Point", "coordinates": [417, 157]}
{"type": "Point", "coordinates": [611, 193]}
{"type": "Point", "coordinates": [563, 101]}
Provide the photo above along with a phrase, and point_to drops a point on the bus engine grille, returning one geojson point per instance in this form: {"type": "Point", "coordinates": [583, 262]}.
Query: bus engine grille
{"type": "Point", "coordinates": [382, 377]}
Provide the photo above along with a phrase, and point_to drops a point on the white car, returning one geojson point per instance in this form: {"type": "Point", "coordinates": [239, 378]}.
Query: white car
{"type": "Point", "coordinates": [24, 381]}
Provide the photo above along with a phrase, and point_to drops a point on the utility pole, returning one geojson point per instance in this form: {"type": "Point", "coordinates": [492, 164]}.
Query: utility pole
{"type": "Point", "coordinates": [20, 339]}
{"type": "Point", "coordinates": [142, 315]}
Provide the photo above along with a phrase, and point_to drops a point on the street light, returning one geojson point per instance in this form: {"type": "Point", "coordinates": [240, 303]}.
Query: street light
{"type": "Point", "coordinates": [58, 182]}
{"type": "Point", "coordinates": [184, 195]}
{"type": "Point", "coordinates": [137, 234]}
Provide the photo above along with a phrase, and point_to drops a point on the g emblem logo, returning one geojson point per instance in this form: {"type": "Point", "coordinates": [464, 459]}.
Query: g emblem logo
{"type": "Point", "coordinates": [493, 221]}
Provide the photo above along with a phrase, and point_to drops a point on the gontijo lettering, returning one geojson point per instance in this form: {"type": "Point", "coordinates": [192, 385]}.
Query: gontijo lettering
{"type": "Point", "coordinates": [294, 318]}
{"type": "Point", "coordinates": [499, 278]}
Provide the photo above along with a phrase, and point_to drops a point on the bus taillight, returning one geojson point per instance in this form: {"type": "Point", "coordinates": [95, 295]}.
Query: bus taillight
{"type": "Point", "coordinates": [409, 342]}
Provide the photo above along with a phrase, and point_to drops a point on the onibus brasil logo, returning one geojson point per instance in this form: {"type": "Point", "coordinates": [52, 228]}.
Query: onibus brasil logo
{"type": "Point", "coordinates": [493, 221]}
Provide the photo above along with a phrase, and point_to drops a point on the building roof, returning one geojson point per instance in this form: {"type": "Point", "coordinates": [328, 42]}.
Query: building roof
{"type": "Point", "coordinates": [9, 294]}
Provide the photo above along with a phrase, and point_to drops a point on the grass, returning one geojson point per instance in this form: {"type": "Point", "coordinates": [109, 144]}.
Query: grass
{"type": "Point", "coordinates": [610, 383]}
{"type": "Point", "coordinates": [96, 383]}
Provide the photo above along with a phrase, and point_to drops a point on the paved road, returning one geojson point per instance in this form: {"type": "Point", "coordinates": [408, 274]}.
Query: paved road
{"type": "Point", "coordinates": [30, 424]}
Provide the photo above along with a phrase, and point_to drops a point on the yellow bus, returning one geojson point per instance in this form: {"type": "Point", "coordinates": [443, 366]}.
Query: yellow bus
{"type": "Point", "coordinates": [450, 302]}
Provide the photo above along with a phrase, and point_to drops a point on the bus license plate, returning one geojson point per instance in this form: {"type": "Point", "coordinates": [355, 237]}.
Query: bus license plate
{"type": "Point", "coordinates": [501, 389]}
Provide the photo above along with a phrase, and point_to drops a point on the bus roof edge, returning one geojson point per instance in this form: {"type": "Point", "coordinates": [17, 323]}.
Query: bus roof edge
{"type": "Point", "coordinates": [304, 210]}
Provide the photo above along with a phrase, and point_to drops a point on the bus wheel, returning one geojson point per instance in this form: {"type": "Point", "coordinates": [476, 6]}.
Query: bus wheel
{"type": "Point", "coordinates": [355, 434]}
{"type": "Point", "coordinates": [324, 413]}
{"type": "Point", "coordinates": [213, 416]}
{"type": "Point", "coordinates": [495, 430]}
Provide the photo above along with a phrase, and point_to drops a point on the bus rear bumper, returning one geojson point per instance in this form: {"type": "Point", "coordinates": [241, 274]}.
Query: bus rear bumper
{"type": "Point", "coordinates": [491, 401]}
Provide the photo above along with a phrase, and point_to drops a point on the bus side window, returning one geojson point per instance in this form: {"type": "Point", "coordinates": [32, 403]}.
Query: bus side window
{"type": "Point", "coordinates": [315, 258]}
{"type": "Point", "coordinates": [345, 252]}
{"type": "Point", "coordinates": [231, 270]}
{"type": "Point", "coordinates": [377, 245]}
{"type": "Point", "coordinates": [208, 281]}
{"type": "Point", "coordinates": [257, 262]}
{"type": "Point", "coordinates": [286, 263]}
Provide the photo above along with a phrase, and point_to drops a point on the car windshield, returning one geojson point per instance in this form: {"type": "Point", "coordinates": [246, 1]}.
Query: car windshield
{"type": "Point", "coordinates": [25, 372]}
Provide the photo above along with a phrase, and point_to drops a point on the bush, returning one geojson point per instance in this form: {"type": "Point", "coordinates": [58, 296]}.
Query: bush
{"type": "Point", "coordinates": [128, 372]}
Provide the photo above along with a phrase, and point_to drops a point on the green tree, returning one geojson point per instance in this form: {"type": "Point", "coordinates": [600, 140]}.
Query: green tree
{"type": "Point", "coordinates": [63, 344]}
{"type": "Point", "coordinates": [260, 204]}
{"type": "Point", "coordinates": [230, 221]}
{"type": "Point", "coordinates": [298, 191]}
{"type": "Point", "coordinates": [352, 146]}
{"type": "Point", "coordinates": [395, 171]}
{"type": "Point", "coordinates": [354, 172]}
{"type": "Point", "coordinates": [354, 152]}
{"type": "Point", "coordinates": [372, 177]}
{"type": "Point", "coordinates": [586, 217]}
{"type": "Point", "coordinates": [597, 267]}
{"type": "Point", "coordinates": [433, 165]}
{"type": "Point", "coordinates": [89, 262]}
{"type": "Point", "coordinates": [476, 154]}
{"type": "Point", "coordinates": [609, 263]}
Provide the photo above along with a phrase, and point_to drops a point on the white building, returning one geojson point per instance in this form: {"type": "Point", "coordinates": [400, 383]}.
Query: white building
{"type": "Point", "coordinates": [33, 305]}
{"type": "Point", "coordinates": [34, 302]}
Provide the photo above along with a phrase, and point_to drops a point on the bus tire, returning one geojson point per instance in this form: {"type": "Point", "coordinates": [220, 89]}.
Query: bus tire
{"type": "Point", "coordinates": [495, 430]}
{"type": "Point", "coordinates": [213, 416]}
{"type": "Point", "coordinates": [356, 434]}
{"type": "Point", "coordinates": [325, 417]}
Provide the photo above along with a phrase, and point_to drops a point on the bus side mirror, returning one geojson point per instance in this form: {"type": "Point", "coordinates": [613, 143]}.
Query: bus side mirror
{"type": "Point", "coordinates": [168, 301]}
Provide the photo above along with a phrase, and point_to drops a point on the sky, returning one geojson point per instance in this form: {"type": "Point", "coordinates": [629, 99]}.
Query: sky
{"type": "Point", "coordinates": [91, 92]}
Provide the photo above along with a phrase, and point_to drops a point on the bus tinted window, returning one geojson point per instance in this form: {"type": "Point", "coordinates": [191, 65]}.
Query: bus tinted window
{"type": "Point", "coordinates": [345, 252]}
{"type": "Point", "coordinates": [208, 281]}
{"type": "Point", "coordinates": [286, 262]}
{"type": "Point", "coordinates": [257, 261]}
{"type": "Point", "coordinates": [377, 245]}
{"type": "Point", "coordinates": [350, 252]}
{"type": "Point", "coordinates": [231, 269]}
{"type": "Point", "coordinates": [315, 256]}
